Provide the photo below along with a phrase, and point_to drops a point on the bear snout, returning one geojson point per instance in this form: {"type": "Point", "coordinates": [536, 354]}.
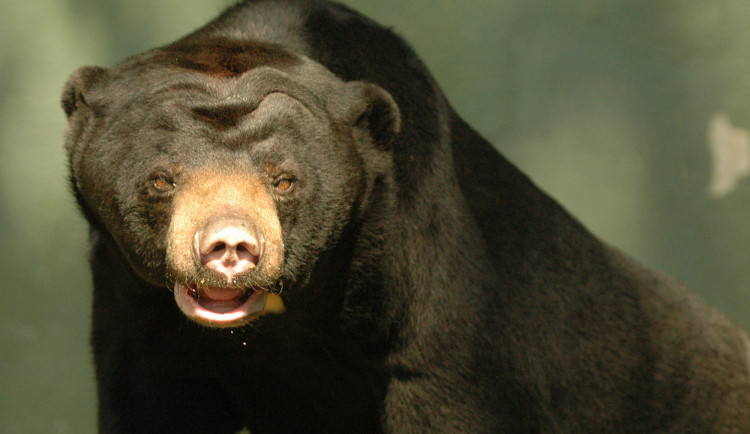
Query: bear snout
{"type": "Point", "coordinates": [225, 250]}
{"type": "Point", "coordinates": [229, 246]}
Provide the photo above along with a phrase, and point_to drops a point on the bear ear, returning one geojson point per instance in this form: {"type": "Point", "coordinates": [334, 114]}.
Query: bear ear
{"type": "Point", "coordinates": [78, 84]}
{"type": "Point", "coordinates": [373, 110]}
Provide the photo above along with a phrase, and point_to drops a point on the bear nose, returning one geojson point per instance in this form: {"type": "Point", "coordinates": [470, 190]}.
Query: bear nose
{"type": "Point", "coordinates": [229, 247]}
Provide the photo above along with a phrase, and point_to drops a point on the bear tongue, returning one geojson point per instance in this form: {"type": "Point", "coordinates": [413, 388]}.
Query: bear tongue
{"type": "Point", "coordinates": [222, 294]}
{"type": "Point", "coordinates": [221, 300]}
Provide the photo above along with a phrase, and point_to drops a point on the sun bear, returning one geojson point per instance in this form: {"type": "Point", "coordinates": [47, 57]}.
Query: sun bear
{"type": "Point", "coordinates": [295, 148]}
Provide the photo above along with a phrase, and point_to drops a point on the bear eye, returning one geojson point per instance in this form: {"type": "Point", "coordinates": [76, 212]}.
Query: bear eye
{"type": "Point", "coordinates": [283, 184]}
{"type": "Point", "coordinates": [161, 182]}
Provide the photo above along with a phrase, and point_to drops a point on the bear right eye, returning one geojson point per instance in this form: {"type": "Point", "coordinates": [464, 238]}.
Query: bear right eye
{"type": "Point", "coordinates": [162, 182]}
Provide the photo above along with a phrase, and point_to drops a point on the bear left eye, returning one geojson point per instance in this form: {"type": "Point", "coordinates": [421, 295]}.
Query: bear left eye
{"type": "Point", "coordinates": [283, 184]}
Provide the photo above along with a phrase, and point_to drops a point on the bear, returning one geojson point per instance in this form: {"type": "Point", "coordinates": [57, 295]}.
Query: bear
{"type": "Point", "coordinates": [297, 150]}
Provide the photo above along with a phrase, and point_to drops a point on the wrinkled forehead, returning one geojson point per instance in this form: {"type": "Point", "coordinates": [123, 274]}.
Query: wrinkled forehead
{"type": "Point", "coordinates": [221, 81]}
{"type": "Point", "coordinates": [228, 67]}
{"type": "Point", "coordinates": [219, 56]}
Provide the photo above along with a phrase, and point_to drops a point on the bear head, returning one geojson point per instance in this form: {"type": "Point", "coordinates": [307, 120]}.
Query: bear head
{"type": "Point", "coordinates": [225, 169]}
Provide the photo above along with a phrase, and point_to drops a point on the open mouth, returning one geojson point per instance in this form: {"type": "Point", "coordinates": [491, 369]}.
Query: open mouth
{"type": "Point", "coordinates": [219, 306]}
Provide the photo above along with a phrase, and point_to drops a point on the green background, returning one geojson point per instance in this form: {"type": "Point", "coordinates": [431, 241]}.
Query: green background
{"type": "Point", "coordinates": [606, 104]}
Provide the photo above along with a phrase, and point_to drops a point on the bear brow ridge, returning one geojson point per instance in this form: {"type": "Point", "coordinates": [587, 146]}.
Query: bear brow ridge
{"type": "Point", "coordinates": [222, 57]}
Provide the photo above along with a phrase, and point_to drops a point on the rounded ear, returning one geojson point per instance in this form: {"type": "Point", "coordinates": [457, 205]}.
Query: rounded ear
{"type": "Point", "coordinates": [373, 110]}
{"type": "Point", "coordinates": [79, 82]}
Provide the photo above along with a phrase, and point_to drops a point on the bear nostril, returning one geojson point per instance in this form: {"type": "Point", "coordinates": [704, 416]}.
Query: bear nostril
{"type": "Point", "coordinates": [219, 247]}
{"type": "Point", "coordinates": [248, 252]}
{"type": "Point", "coordinates": [245, 249]}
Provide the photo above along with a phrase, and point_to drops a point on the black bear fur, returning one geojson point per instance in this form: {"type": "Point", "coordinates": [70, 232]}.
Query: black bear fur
{"type": "Point", "coordinates": [450, 295]}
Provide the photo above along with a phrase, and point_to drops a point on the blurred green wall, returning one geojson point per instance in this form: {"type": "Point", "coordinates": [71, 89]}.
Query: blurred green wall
{"type": "Point", "coordinates": [606, 104]}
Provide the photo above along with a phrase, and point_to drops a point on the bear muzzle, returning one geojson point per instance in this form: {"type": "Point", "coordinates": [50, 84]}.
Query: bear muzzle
{"type": "Point", "coordinates": [230, 247]}
{"type": "Point", "coordinates": [225, 251]}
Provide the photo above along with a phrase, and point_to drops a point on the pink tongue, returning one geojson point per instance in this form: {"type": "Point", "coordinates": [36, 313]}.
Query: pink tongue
{"type": "Point", "coordinates": [222, 294]}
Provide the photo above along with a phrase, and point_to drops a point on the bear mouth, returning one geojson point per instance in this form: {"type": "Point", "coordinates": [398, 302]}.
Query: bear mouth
{"type": "Point", "coordinates": [220, 306]}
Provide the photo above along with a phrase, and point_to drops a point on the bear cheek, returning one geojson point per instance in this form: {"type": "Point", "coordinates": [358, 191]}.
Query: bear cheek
{"type": "Point", "coordinates": [209, 196]}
